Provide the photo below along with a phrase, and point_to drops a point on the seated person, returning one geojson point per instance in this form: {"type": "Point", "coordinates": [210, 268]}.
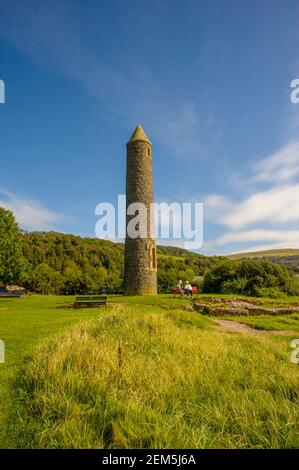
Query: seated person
{"type": "Point", "coordinates": [178, 289]}
{"type": "Point", "coordinates": [188, 289]}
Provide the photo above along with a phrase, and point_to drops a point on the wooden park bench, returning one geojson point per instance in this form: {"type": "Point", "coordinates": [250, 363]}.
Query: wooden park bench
{"type": "Point", "coordinates": [10, 296]}
{"type": "Point", "coordinates": [85, 301]}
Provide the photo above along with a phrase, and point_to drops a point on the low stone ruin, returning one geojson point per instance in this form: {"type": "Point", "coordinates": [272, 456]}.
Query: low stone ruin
{"type": "Point", "coordinates": [235, 306]}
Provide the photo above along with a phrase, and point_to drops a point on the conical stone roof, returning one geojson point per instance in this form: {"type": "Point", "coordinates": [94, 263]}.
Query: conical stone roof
{"type": "Point", "coordinates": [139, 134]}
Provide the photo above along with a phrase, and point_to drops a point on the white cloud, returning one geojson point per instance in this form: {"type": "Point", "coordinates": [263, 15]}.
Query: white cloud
{"type": "Point", "coordinates": [29, 213]}
{"type": "Point", "coordinates": [281, 167]}
{"type": "Point", "coordinates": [276, 205]}
{"type": "Point", "coordinates": [278, 236]}
{"type": "Point", "coordinates": [270, 215]}
{"type": "Point", "coordinates": [216, 207]}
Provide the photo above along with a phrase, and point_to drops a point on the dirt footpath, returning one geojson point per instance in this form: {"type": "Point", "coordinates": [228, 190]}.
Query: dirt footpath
{"type": "Point", "coordinates": [232, 326]}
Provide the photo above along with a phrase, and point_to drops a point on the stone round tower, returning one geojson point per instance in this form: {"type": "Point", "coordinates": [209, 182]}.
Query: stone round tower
{"type": "Point", "coordinates": [140, 274]}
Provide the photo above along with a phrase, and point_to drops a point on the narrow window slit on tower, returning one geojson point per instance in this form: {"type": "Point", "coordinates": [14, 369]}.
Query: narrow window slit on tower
{"type": "Point", "coordinates": [154, 257]}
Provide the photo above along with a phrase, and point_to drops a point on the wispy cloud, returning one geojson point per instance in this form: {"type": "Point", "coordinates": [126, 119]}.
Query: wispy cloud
{"type": "Point", "coordinates": [217, 207]}
{"type": "Point", "coordinates": [276, 205]}
{"type": "Point", "coordinates": [50, 36]}
{"type": "Point", "coordinates": [29, 213]}
{"type": "Point", "coordinates": [270, 214]}
{"type": "Point", "coordinates": [281, 167]}
{"type": "Point", "coordinates": [290, 237]}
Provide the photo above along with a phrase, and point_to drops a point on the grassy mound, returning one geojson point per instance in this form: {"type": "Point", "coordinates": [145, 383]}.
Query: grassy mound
{"type": "Point", "coordinates": [141, 376]}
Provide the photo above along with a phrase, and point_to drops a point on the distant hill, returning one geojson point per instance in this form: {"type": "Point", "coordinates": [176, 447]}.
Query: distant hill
{"type": "Point", "coordinates": [266, 254]}
{"type": "Point", "coordinates": [289, 257]}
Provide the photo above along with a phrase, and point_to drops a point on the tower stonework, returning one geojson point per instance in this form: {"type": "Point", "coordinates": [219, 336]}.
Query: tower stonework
{"type": "Point", "coordinates": [140, 273]}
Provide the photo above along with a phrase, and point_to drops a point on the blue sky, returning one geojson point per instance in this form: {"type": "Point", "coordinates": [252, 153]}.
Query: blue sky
{"type": "Point", "coordinates": [208, 80]}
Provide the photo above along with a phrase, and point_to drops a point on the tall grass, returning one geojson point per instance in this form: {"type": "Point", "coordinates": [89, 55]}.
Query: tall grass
{"type": "Point", "coordinates": [141, 377]}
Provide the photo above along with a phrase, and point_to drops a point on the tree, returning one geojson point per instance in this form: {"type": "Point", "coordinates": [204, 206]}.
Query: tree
{"type": "Point", "coordinates": [249, 277]}
{"type": "Point", "coordinates": [73, 281]}
{"type": "Point", "coordinates": [86, 264]}
{"type": "Point", "coordinates": [10, 247]}
{"type": "Point", "coordinates": [46, 280]}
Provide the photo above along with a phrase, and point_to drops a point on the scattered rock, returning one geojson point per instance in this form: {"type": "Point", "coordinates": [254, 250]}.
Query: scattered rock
{"type": "Point", "coordinates": [188, 308]}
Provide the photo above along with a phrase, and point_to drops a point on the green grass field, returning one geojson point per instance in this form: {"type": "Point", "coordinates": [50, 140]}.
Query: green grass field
{"type": "Point", "coordinates": [143, 372]}
{"type": "Point", "coordinates": [22, 323]}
